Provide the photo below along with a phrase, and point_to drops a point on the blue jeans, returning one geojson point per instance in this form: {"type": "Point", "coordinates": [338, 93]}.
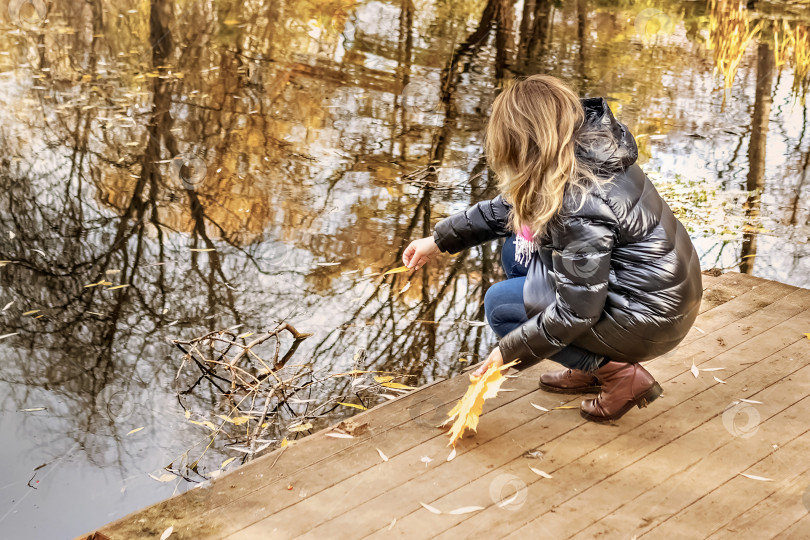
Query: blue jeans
{"type": "Point", "coordinates": [505, 311]}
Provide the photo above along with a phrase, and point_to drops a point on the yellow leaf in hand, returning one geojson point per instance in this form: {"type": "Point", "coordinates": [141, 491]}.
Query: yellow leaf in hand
{"type": "Point", "coordinates": [467, 411]}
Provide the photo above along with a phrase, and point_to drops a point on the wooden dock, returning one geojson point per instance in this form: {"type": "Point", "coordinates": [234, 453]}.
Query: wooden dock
{"type": "Point", "coordinates": [673, 470]}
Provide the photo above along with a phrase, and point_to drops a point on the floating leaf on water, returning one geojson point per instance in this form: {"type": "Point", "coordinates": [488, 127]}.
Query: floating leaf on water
{"type": "Point", "coordinates": [720, 380]}
{"type": "Point", "coordinates": [383, 378]}
{"type": "Point", "coordinates": [382, 456]}
{"type": "Point", "coordinates": [31, 312]}
{"type": "Point", "coordinates": [227, 462]}
{"type": "Point", "coordinates": [452, 455]}
{"type": "Point", "coordinates": [398, 385]}
{"type": "Point", "coordinates": [8, 306]}
{"type": "Point", "coordinates": [33, 409]}
{"type": "Point", "coordinates": [118, 287]}
{"type": "Point", "coordinates": [112, 272]}
{"type": "Point", "coordinates": [388, 396]}
{"type": "Point", "coordinates": [163, 477]}
{"type": "Point", "coordinates": [463, 360]}
{"type": "Point", "coordinates": [301, 427]}
{"type": "Point", "coordinates": [202, 250]}
{"type": "Point", "coordinates": [187, 414]}
{"type": "Point", "coordinates": [405, 288]}
{"type": "Point", "coordinates": [167, 533]}
{"type": "Point", "coordinates": [539, 408]}
{"type": "Point", "coordinates": [337, 435]}
{"type": "Point", "coordinates": [136, 430]}
{"type": "Point", "coordinates": [206, 423]}
{"type": "Point", "coordinates": [397, 270]}
{"type": "Point", "coordinates": [95, 313]}
{"type": "Point", "coordinates": [538, 472]}
{"type": "Point", "coordinates": [284, 442]}
{"type": "Point", "coordinates": [245, 335]}
{"type": "Point", "coordinates": [751, 401]}
{"type": "Point", "coordinates": [430, 508]}
{"type": "Point", "coordinates": [230, 22]}
{"type": "Point", "coordinates": [695, 371]}
{"type": "Point", "coordinates": [465, 510]}
{"type": "Point", "coordinates": [760, 478]}
{"type": "Point", "coordinates": [4, 336]}
{"type": "Point", "coordinates": [327, 264]}
{"type": "Point", "coordinates": [474, 323]}
{"type": "Point", "coordinates": [352, 405]}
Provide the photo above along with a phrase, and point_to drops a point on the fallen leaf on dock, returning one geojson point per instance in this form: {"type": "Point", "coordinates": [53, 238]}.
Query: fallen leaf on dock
{"type": "Point", "coordinates": [430, 508]}
{"type": "Point", "coordinates": [694, 369]}
{"type": "Point", "coordinates": [136, 430]}
{"type": "Point", "coordinates": [352, 405]}
{"type": "Point", "coordinates": [383, 456]}
{"type": "Point", "coordinates": [393, 522]}
{"type": "Point", "coordinates": [720, 380]}
{"type": "Point", "coordinates": [508, 501]}
{"type": "Point", "coordinates": [465, 510]}
{"type": "Point", "coordinates": [340, 435]}
{"type": "Point", "coordinates": [397, 270]}
{"type": "Point", "coordinates": [452, 455]}
{"type": "Point", "coordinates": [167, 533]}
{"type": "Point", "coordinates": [712, 369]}
{"type": "Point", "coordinates": [539, 408]}
{"type": "Point", "coordinates": [751, 401]}
{"type": "Point", "coordinates": [565, 407]}
{"type": "Point", "coordinates": [760, 478]}
{"type": "Point", "coordinates": [538, 472]}
{"type": "Point", "coordinates": [468, 410]}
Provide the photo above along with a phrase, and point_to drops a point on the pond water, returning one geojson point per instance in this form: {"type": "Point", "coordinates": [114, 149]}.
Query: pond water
{"type": "Point", "coordinates": [237, 165]}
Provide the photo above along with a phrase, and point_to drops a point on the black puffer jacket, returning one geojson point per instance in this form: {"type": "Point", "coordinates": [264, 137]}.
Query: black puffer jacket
{"type": "Point", "coordinates": [626, 275]}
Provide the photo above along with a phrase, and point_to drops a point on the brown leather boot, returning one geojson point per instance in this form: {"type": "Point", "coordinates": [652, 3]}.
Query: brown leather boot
{"type": "Point", "coordinates": [569, 381]}
{"type": "Point", "coordinates": [623, 385]}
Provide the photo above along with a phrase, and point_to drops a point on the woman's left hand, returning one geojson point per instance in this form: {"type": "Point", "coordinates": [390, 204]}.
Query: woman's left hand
{"type": "Point", "coordinates": [494, 358]}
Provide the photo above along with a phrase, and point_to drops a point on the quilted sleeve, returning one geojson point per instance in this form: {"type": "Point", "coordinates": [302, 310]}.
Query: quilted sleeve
{"type": "Point", "coordinates": [480, 223]}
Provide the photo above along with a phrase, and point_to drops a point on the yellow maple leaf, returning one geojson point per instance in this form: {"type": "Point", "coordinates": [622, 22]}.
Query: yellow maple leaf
{"type": "Point", "coordinates": [468, 410]}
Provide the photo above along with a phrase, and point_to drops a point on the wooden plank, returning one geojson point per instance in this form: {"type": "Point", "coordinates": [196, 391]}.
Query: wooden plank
{"type": "Point", "coordinates": [624, 446]}
{"type": "Point", "coordinates": [772, 515]}
{"type": "Point", "coordinates": [435, 481]}
{"type": "Point", "coordinates": [798, 531]}
{"type": "Point", "coordinates": [701, 459]}
{"type": "Point", "coordinates": [720, 506]}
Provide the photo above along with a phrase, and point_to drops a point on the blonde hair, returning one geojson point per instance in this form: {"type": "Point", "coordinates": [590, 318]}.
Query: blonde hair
{"type": "Point", "coordinates": [531, 146]}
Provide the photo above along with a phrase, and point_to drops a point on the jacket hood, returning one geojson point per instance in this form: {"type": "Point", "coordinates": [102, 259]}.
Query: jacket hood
{"type": "Point", "coordinates": [603, 142]}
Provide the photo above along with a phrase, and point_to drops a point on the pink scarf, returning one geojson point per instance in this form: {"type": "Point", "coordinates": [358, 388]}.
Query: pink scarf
{"type": "Point", "coordinates": [524, 246]}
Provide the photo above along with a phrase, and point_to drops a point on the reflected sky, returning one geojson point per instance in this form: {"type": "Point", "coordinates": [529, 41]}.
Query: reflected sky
{"type": "Point", "coordinates": [243, 165]}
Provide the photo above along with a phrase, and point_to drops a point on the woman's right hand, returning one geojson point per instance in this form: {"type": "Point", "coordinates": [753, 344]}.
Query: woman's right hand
{"type": "Point", "coordinates": [419, 252]}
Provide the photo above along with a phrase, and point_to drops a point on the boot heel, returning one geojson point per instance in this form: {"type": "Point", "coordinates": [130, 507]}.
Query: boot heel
{"type": "Point", "coordinates": [651, 395]}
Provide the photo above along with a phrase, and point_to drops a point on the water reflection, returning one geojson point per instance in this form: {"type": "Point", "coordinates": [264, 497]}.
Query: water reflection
{"type": "Point", "coordinates": [315, 141]}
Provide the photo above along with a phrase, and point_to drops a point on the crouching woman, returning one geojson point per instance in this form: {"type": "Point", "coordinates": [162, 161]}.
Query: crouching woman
{"type": "Point", "coordinates": [600, 273]}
